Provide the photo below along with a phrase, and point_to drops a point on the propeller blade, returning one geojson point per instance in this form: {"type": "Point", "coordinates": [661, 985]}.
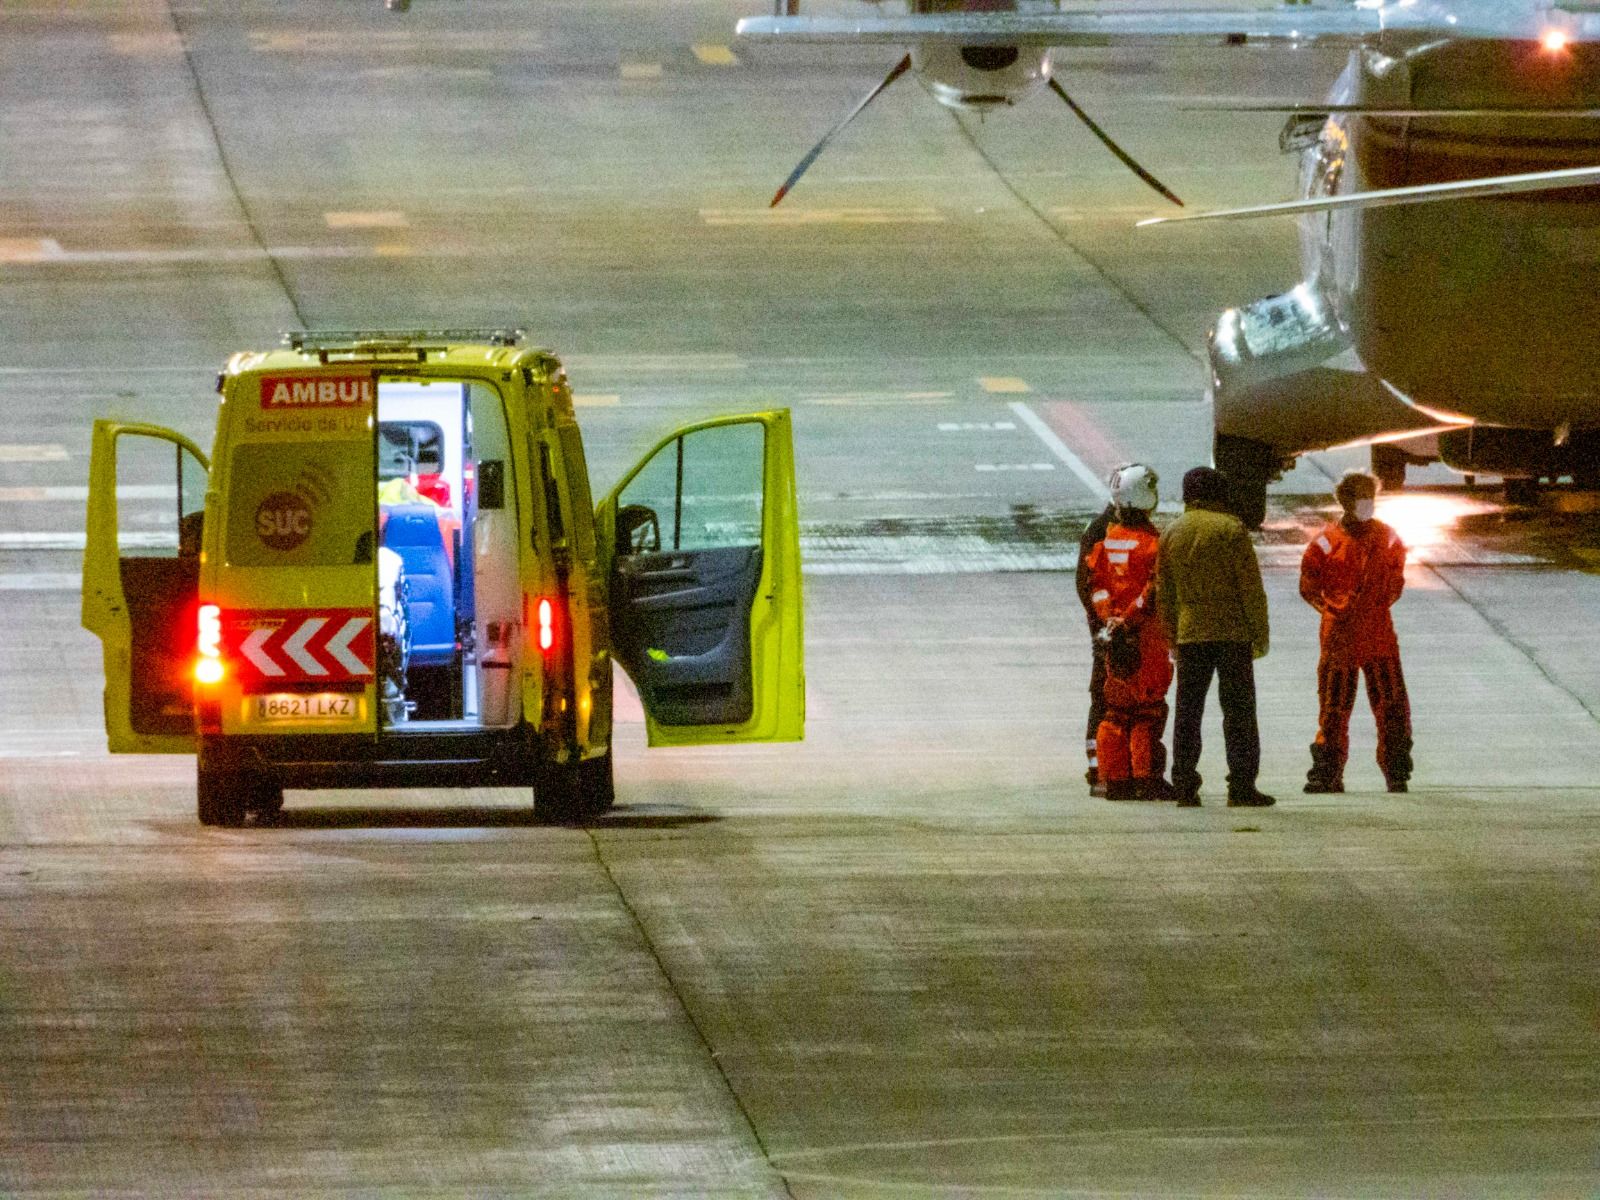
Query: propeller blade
{"type": "Point", "coordinates": [1126, 159]}
{"type": "Point", "coordinates": [899, 69]}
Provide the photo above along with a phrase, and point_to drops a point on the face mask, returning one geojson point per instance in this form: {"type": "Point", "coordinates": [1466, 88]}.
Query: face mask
{"type": "Point", "coordinates": [1364, 509]}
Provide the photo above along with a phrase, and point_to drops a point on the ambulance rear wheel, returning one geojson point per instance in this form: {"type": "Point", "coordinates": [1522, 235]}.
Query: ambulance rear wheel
{"type": "Point", "coordinates": [569, 793]}
{"type": "Point", "coordinates": [266, 799]}
{"type": "Point", "coordinates": [221, 796]}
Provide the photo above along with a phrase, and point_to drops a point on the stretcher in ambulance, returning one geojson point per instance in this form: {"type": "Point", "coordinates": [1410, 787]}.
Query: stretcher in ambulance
{"type": "Point", "coordinates": [389, 572]}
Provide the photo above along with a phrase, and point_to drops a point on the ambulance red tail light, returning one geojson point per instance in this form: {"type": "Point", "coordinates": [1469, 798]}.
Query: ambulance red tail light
{"type": "Point", "coordinates": [208, 665]}
{"type": "Point", "coordinates": [547, 625]}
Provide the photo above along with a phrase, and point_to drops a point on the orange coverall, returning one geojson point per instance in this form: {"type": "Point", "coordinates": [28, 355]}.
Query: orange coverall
{"type": "Point", "coordinates": [1352, 573]}
{"type": "Point", "coordinates": [1122, 569]}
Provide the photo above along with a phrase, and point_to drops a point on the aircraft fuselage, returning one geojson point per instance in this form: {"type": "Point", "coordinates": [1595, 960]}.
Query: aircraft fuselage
{"type": "Point", "coordinates": [1483, 309]}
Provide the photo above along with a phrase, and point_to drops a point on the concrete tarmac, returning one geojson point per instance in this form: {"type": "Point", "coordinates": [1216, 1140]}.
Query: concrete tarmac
{"type": "Point", "coordinates": [909, 956]}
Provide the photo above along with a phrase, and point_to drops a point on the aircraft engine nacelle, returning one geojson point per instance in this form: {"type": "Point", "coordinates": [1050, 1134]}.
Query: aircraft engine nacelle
{"type": "Point", "coordinates": [1521, 453]}
{"type": "Point", "coordinates": [978, 78]}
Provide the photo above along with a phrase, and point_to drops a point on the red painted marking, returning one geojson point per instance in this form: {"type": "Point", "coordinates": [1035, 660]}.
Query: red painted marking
{"type": "Point", "coordinates": [316, 391]}
{"type": "Point", "coordinates": [285, 623]}
{"type": "Point", "coordinates": [1074, 423]}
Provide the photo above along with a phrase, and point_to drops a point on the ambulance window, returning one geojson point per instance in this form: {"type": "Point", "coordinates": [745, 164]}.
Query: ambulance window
{"type": "Point", "coordinates": [301, 504]}
{"type": "Point", "coordinates": [409, 447]}
{"type": "Point", "coordinates": [159, 484]}
{"type": "Point", "coordinates": [489, 444]}
{"type": "Point", "coordinates": [705, 488]}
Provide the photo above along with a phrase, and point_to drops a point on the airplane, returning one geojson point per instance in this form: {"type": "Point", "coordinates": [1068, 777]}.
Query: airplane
{"type": "Point", "coordinates": [1449, 229]}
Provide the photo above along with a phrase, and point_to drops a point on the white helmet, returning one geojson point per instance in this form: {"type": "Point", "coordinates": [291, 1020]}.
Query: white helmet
{"type": "Point", "coordinates": [1134, 486]}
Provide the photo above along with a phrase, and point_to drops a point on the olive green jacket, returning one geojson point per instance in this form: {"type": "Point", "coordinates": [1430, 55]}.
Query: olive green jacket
{"type": "Point", "coordinates": [1208, 583]}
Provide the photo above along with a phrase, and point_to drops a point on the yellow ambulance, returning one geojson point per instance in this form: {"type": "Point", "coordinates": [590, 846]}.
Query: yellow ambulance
{"type": "Point", "coordinates": [389, 572]}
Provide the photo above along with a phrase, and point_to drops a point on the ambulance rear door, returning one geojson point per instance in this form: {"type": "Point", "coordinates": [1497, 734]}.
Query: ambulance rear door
{"type": "Point", "coordinates": [294, 585]}
{"type": "Point", "coordinates": [702, 543]}
{"type": "Point", "coordinates": [141, 572]}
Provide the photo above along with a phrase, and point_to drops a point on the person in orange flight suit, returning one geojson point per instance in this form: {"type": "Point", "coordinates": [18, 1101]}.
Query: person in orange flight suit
{"type": "Point", "coordinates": [1352, 573]}
{"type": "Point", "coordinates": [1122, 568]}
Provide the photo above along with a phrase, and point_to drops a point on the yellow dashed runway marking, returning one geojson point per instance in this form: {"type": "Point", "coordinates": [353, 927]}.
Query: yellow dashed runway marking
{"type": "Point", "coordinates": [715, 56]}
{"type": "Point", "coordinates": [1003, 384]}
{"type": "Point", "coordinates": [393, 250]}
{"type": "Point", "coordinates": [24, 453]}
{"type": "Point", "coordinates": [28, 250]}
{"type": "Point", "coordinates": [821, 216]}
{"type": "Point", "coordinates": [388, 219]}
{"type": "Point", "coordinates": [146, 45]}
{"type": "Point", "coordinates": [595, 400]}
{"type": "Point", "coordinates": [374, 41]}
{"type": "Point", "coordinates": [636, 71]}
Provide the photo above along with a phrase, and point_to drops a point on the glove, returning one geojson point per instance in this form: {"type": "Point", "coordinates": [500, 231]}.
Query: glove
{"type": "Point", "coordinates": [1258, 650]}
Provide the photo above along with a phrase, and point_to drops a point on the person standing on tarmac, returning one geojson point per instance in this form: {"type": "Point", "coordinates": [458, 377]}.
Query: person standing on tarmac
{"type": "Point", "coordinates": [1091, 538]}
{"type": "Point", "coordinates": [1352, 573]}
{"type": "Point", "coordinates": [1137, 663]}
{"type": "Point", "coordinates": [1214, 608]}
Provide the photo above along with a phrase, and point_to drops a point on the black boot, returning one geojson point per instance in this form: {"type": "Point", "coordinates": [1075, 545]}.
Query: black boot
{"type": "Point", "coordinates": [1250, 799]}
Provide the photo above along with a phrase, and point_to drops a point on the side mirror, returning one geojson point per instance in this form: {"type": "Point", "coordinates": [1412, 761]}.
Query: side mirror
{"type": "Point", "coordinates": [638, 530]}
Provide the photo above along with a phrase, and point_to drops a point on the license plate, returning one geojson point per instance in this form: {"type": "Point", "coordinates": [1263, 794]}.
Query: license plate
{"type": "Point", "coordinates": [305, 706]}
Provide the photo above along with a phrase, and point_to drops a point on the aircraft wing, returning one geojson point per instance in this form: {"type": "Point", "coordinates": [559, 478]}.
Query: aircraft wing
{"type": "Point", "coordinates": [1299, 24]}
{"type": "Point", "coordinates": [1424, 193]}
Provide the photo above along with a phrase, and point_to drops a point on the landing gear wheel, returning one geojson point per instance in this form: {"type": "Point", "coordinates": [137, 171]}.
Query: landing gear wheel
{"type": "Point", "coordinates": [1249, 466]}
{"type": "Point", "coordinates": [571, 793]}
{"type": "Point", "coordinates": [1522, 492]}
{"type": "Point", "coordinates": [221, 796]}
{"type": "Point", "coordinates": [1389, 465]}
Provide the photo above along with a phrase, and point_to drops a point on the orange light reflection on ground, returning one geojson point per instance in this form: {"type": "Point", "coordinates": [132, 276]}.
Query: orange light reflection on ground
{"type": "Point", "coordinates": [1423, 519]}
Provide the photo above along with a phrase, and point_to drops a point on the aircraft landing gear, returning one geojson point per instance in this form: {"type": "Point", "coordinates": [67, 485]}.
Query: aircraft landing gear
{"type": "Point", "coordinates": [1389, 465]}
{"type": "Point", "coordinates": [1249, 465]}
{"type": "Point", "coordinates": [1524, 493]}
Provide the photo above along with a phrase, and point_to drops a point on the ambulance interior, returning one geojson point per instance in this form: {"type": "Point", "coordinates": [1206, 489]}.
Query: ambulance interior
{"type": "Point", "coordinates": [448, 592]}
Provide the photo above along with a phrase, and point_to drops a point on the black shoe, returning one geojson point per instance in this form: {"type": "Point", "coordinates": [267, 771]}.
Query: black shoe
{"type": "Point", "coordinates": [1398, 785]}
{"type": "Point", "coordinates": [1188, 800]}
{"type": "Point", "coordinates": [1324, 787]}
{"type": "Point", "coordinates": [1156, 788]}
{"type": "Point", "coordinates": [1251, 799]}
{"type": "Point", "coordinates": [1121, 789]}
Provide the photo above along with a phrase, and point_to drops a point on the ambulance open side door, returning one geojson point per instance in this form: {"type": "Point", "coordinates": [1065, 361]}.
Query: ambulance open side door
{"type": "Point", "coordinates": [141, 579]}
{"type": "Point", "coordinates": [702, 544]}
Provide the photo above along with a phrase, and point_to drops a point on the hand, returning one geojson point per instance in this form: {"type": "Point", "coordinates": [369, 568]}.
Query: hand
{"type": "Point", "coordinates": [1259, 650]}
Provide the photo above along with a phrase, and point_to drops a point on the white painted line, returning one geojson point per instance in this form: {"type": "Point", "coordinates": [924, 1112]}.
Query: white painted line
{"type": "Point", "coordinates": [595, 400]}
{"type": "Point", "coordinates": [387, 219]}
{"type": "Point", "coordinates": [75, 541]}
{"type": "Point", "coordinates": [715, 56]}
{"type": "Point", "coordinates": [1015, 466]}
{"type": "Point", "coordinates": [1060, 449]}
{"type": "Point", "coordinates": [22, 452]}
{"type": "Point", "coordinates": [975, 426]}
{"type": "Point", "coordinates": [641, 71]}
{"type": "Point", "coordinates": [1008, 384]}
{"type": "Point", "coordinates": [40, 581]}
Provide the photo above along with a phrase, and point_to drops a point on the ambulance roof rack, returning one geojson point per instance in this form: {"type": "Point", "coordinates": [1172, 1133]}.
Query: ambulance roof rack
{"type": "Point", "coordinates": [384, 343]}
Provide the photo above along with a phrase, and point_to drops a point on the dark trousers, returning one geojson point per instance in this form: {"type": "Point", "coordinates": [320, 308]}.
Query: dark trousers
{"type": "Point", "coordinates": [1233, 665]}
{"type": "Point", "coordinates": [1336, 697]}
{"type": "Point", "coordinates": [1097, 705]}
